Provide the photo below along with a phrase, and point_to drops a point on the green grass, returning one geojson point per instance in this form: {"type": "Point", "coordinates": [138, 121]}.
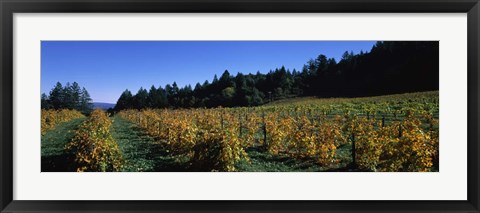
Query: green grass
{"type": "Point", "coordinates": [261, 161]}
{"type": "Point", "coordinates": [54, 158]}
{"type": "Point", "coordinates": [141, 152]}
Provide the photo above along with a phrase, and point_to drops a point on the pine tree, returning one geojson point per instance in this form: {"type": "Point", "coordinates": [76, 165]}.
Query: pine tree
{"type": "Point", "coordinates": [125, 101]}
{"type": "Point", "coordinates": [45, 102]}
{"type": "Point", "coordinates": [86, 105]}
{"type": "Point", "coordinates": [57, 96]}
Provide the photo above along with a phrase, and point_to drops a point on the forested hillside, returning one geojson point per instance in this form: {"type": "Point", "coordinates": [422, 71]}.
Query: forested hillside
{"type": "Point", "coordinates": [386, 69]}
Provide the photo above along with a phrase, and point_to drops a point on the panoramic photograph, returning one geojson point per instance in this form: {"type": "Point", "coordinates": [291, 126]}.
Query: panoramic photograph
{"type": "Point", "coordinates": [239, 106]}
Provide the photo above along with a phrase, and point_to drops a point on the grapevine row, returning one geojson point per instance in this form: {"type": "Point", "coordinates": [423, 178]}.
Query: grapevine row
{"type": "Point", "coordinates": [217, 138]}
{"type": "Point", "coordinates": [94, 147]}
{"type": "Point", "coordinates": [51, 118]}
{"type": "Point", "coordinates": [208, 137]}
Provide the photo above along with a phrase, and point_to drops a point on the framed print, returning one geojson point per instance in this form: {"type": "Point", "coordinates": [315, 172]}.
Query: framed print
{"type": "Point", "coordinates": [252, 106]}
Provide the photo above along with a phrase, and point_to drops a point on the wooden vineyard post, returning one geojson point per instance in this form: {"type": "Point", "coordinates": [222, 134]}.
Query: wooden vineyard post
{"type": "Point", "coordinates": [264, 128]}
{"type": "Point", "coordinates": [354, 163]}
{"type": "Point", "coordinates": [221, 121]}
{"type": "Point", "coordinates": [383, 120]}
{"type": "Point", "coordinates": [431, 123]}
{"type": "Point", "coordinates": [400, 131]}
{"type": "Point", "coordinates": [168, 135]}
{"type": "Point", "coordinates": [240, 123]}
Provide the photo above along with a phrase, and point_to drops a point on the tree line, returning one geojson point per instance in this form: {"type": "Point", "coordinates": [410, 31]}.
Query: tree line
{"type": "Point", "coordinates": [70, 96]}
{"type": "Point", "coordinates": [390, 67]}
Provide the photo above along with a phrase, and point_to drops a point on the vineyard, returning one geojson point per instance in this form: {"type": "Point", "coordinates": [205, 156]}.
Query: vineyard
{"type": "Point", "coordinates": [93, 145]}
{"type": "Point", "coordinates": [51, 118]}
{"type": "Point", "coordinates": [397, 133]}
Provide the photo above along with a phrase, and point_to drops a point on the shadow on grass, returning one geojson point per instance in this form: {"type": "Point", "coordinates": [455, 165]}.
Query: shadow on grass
{"type": "Point", "coordinates": [57, 163]}
{"type": "Point", "coordinates": [347, 168]}
{"type": "Point", "coordinates": [166, 162]}
{"type": "Point", "coordinates": [262, 161]}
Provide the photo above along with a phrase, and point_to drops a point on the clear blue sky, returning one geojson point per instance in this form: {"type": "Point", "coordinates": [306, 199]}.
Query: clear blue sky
{"type": "Point", "coordinates": [107, 68]}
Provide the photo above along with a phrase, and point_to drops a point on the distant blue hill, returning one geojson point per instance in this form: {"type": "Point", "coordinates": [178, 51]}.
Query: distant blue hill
{"type": "Point", "coordinates": [102, 105]}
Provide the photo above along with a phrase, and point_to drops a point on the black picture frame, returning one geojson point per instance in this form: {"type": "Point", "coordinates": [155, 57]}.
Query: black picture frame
{"type": "Point", "coordinates": [9, 7]}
